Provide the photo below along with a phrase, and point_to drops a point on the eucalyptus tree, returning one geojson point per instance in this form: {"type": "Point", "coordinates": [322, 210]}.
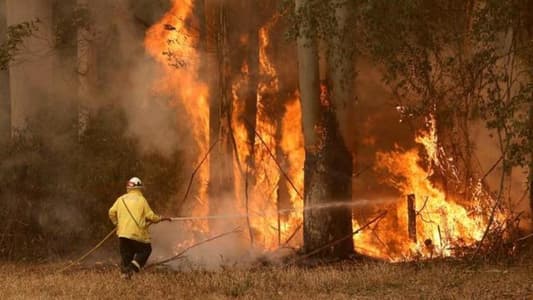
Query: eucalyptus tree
{"type": "Point", "coordinates": [325, 63]}
{"type": "Point", "coordinates": [463, 62]}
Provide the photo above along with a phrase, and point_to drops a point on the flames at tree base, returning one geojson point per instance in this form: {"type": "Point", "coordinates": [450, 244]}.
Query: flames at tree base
{"type": "Point", "coordinates": [268, 174]}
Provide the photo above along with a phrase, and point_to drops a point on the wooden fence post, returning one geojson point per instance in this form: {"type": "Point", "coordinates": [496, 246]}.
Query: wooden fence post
{"type": "Point", "coordinates": [411, 217]}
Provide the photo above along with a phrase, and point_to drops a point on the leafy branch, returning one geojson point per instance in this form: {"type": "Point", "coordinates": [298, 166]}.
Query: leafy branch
{"type": "Point", "coordinates": [16, 34]}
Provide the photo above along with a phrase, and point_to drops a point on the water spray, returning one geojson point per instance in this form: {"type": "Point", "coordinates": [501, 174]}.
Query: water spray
{"type": "Point", "coordinates": [339, 204]}
{"type": "Point", "coordinates": [362, 202]}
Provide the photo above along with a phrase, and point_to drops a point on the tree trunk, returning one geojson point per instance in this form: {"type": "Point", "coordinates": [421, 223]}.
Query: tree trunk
{"type": "Point", "coordinates": [84, 63]}
{"type": "Point", "coordinates": [5, 94]}
{"type": "Point", "coordinates": [250, 98]}
{"type": "Point", "coordinates": [252, 55]}
{"type": "Point", "coordinates": [314, 169]}
{"type": "Point", "coordinates": [308, 77]}
{"type": "Point", "coordinates": [323, 148]}
{"type": "Point", "coordinates": [220, 189]}
{"type": "Point", "coordinates": [200, 12]}
{"type": "Point", "coordinates": [66, 42]}
{"type": "Point", "coordinates": [339, 169]}
{"type": "Point", "coordinates": [531, 161]}
{"type": "Point", "coordinates": [529, 34]}
{"type": "Point", "coordinates": [341, 68]}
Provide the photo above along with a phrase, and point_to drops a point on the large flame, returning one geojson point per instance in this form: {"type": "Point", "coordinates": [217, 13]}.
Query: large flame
{"type": "Point", "coordinates": [441, 223]}
{"type": "Point", "coordinates": [172, 44]}
{"type": "Point", "coordinates": [274, 154]}
{"type": "Point", "coordinates": [278, 158]}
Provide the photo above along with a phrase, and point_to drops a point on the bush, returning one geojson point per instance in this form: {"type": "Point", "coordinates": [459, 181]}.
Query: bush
{"type": "Point", "coordinates": [57, 185]}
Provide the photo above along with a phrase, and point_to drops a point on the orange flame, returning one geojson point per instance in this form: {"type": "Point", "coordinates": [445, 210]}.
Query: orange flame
{"type": "Point", "coordinates": [441, 223]}
{"type": "Point", "coordinates": [263, 191]}
{"type": "Point", "coordinates": [174, 47]}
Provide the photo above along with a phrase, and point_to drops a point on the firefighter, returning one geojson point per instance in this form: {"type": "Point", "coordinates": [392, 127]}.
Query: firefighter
{"type": "Point", "coordinates": [132, 215]}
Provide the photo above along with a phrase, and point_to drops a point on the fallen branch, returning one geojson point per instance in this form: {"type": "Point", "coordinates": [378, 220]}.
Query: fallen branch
{"type": "Point", "coordinates": [276, 161]}
{"type": "Point", "coordinates": [293, 234]}
{"type": "Point", "coordinates": [524, 238]}
{"type": "Point", "coordinates": [382, 243]}
{"type": "Point", "coordinates": [423, 206]}
{"type": "Point", "coordinates": [496, 203]}
{"type": "Point", "coordinates": [492, 168]}
{"type": "Point", "coordinates": [180, 254]}
{"type": "Point", "coordinates": [89, 252]}
{"type": "Point", "coordinates": [245, 176]}
{"type": "Point", "coordinates": [196, 170]}
{"type": "Point", "coordinates": [115, 229]}
{"type": "Point", "coordinates": [377, 218]}
{"type": "Point", "coordinates": [246, 205]}
{"type": "Point", "coordinates": [355, 175]}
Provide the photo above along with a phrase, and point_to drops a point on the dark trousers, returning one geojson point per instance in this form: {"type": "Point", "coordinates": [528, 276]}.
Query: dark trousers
{"type": "Point", "coordinates": [131, 250]}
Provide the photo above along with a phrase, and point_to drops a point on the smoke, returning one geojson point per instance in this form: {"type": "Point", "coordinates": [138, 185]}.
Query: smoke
{"type": "Point", "coordinates": [233, 248]}
{"type": "Point", "coordinates": [69, 70]}
{"type": "Point", "coordinates": [379, 129]}
{"type": "Point", "coordinates": [197, 236]}
{"type": "Point", "coordinates": [118, 70]}
{"type": "Point", "coordinates": [150, 120]}
{"type": "Point", "coordinates": [487, 152]}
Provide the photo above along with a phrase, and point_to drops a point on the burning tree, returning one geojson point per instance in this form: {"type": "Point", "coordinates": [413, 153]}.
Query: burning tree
{"type": "Point", "coordinates": [274, 128]}
{"type": "Point", "coordinates": [465, 74]}
{"type": "Point", "coordinates": [328, 162]}
{"type": "Point", "coordinates": [251, 136]}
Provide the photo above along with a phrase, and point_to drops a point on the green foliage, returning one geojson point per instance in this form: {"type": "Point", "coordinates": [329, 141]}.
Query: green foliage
{"type": "Point", "coordinates": [461, 62]}
{"type": "Point", "coordinates": [457, 62]}
{"type": "Point", "coordinates": [16, 34]}
{"type": "Point", "coordinates": [421, 48]}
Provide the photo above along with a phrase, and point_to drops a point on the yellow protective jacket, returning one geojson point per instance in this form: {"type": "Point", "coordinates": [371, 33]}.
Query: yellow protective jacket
{"type": "Point", "coordinates": [132, 215]}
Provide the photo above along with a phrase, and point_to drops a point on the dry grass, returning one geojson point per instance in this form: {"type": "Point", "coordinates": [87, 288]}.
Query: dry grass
{"type": "Point", "coordinates": [432, 280]}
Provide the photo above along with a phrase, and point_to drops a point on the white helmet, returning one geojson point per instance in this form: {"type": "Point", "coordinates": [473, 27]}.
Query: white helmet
{"type": "Point", "coordinates": [134, 183]}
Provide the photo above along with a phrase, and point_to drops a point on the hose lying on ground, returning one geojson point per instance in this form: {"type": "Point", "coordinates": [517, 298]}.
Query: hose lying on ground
{"type": "Point", "coordinates": [89, 252]}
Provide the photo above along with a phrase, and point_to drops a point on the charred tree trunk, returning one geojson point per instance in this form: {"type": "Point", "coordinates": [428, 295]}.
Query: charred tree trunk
{"type": "Point", "coordinates": [203, 42]}
{"type": "Point", "coordinates": [221, 178]}
{"type": "Point", "coordinates": [339, 171]}
{"type": "Point", "coordinates": [252, 57]}
{"type": "Point", "coordinates": [341, 69]}
{"type": "Point", "coordinates": [250, 52]}
{"type": "Point", "coordinates": [243, 64]}
{"type": "Point", "coordinates": [324, 152]}
{"type": "Point", "coordinates": [250, 99]}
{"type": "Point", "coordinates": [5, 94]}
{"type": "Point", "coordinates": [315, 234]}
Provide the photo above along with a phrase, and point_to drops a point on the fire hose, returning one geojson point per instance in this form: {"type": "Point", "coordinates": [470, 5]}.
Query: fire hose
{"type": "Point", "coordinates": [191, 218]}
{"type": "Point", "coordinates": [90, 251]}
{"type": "Point", "coordinates": [84, 256]}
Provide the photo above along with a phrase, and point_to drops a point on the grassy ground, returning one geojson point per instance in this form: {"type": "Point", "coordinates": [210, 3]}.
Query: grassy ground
{"type": "Point", "coordinates": [433, 280]}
